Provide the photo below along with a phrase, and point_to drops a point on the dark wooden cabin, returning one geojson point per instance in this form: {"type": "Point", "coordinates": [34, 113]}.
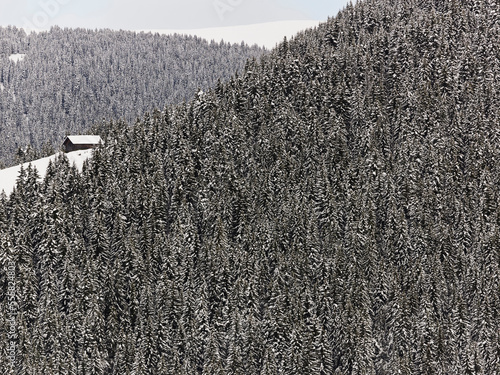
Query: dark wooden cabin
{"type": "Point", "coordinates": [81, 142]}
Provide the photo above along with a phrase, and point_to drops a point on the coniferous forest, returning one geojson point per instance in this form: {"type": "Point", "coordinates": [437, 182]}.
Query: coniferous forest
{"type": "Point", "coordinates": [71, 78]}
{"type": "Point", "coordinates": [332, 209]}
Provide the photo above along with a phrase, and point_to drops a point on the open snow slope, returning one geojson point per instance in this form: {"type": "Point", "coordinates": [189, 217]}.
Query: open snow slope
{"type": "Point", "coordinates": [9, 176]}
{"type": "Point", "coordinates": [263, 34]}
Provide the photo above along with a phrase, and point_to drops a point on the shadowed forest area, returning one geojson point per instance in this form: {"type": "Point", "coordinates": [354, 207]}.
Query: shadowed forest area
{"type": "Point", "coordinates": [331, 209]}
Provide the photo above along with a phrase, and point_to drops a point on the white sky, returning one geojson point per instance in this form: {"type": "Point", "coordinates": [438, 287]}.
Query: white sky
{"type": "Point", "coordinates": [160, 14]}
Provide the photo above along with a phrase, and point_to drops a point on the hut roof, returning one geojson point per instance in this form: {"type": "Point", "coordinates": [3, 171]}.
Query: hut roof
{"type": "Point", "coordinates": [84, 139]}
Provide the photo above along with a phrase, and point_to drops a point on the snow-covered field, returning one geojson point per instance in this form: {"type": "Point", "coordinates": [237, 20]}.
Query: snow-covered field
{"type": "Point", "coordinates": [9, 176]}
{"type": "Point", "coordinates": [264, 34]}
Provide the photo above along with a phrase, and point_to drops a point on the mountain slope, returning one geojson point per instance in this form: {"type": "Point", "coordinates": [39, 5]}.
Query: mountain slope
{"type": "Point", "coordinates": [332, 209]}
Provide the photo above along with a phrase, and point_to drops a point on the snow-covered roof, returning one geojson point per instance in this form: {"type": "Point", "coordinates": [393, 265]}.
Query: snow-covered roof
{"type": "Point", "coordinates": [84, 139]}
{"type": "Point", "coordinates": [16, 57]}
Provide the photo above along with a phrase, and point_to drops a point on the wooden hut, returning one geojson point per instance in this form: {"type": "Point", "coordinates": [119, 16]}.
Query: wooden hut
{"type": "Point", "coordinates": [81, 142]}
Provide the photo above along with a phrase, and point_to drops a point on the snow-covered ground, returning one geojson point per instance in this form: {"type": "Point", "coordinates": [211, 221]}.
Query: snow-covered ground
{"type": "Point", "coordinates": [265, 34]}
{"type": "Point", "coordinates": [9, 176]}
{"type": "Point", "coordinates": [16, 57]}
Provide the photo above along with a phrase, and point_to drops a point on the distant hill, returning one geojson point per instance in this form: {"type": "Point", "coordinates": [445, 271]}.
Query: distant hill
{"type": "Point", "coordinates": [64, 80]}
{"type": "Point", "coordinates": [333, 208]}
{"type": "Point", "coordinates": [267, 34]}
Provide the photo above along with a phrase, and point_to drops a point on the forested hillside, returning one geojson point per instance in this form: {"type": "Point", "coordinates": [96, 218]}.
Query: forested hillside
{"type": "Point", "coordinates": [73, 78]}
{"type": "Point", "coordinates": [334, 209]}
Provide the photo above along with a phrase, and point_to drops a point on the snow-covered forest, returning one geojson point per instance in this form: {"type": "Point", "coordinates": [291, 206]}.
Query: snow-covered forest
{"type": "Point", "coordinates": [331, 209]}
{"type": "Point", "coordinates": [71, 79]}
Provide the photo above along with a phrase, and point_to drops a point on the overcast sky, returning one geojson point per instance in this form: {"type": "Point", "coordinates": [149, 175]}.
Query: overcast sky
{"type": "Point", "coordinates": [160, 14]}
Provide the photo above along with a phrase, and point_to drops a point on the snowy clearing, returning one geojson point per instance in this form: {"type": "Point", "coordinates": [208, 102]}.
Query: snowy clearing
{"type": "Point", "coordinates": [263, 34]}
{"type": "Point", "coordinates": [9, 176]}
{"type": "Point", "coordinates": [16, 57]}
